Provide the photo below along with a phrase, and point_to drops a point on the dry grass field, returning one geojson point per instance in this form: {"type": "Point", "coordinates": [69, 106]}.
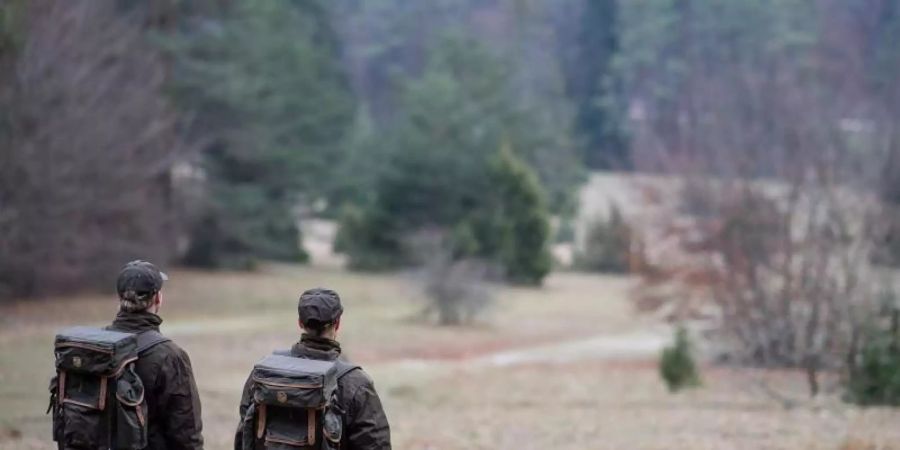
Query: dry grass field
{"type": "Point", "coordinates": [568, 366]}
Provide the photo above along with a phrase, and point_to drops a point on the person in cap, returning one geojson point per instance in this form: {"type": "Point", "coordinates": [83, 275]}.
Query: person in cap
{"type": "Point", "coordinates": [173, 403]}
{"type": "Point", "coordinates": [364, 424]}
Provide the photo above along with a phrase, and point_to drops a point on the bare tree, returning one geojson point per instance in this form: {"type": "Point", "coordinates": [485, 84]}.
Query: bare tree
{"type": "Point", "coordinates": [780, 150]}
{"type": "Point", "coordinates": [84, 172]}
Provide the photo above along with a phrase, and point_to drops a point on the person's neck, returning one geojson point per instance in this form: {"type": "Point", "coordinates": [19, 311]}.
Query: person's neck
{"type": "Point", "coordinates": [136, 320]}
{"type": "Point", "coordinates": [328, 333]}
{"type": "Point", "coordinates": [150, 310]}
{"type": "Point", "coordinates": [319, 342]}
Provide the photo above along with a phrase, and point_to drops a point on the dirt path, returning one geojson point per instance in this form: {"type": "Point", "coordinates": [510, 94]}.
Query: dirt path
{"type": "Point", "coordinates": [640, 344]}
{"type": "Point", "coordinates": [637, 345]}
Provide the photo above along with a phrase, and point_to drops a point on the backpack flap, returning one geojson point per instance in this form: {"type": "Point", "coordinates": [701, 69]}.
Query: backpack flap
{"type": "Point", "coordinates": [286, 381]}
{"type": "Point", "coordinates": [93, 350]}
{"type": "Point", "coordinates": [291, 396]}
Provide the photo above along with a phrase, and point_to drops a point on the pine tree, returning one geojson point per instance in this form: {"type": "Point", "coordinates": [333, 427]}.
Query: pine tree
{"type": "Point", "coordinates": [265, 84]}
{"type": "Point", "coordinates": [676, 364]}
{"type": "Point", "coordinates": [593, 85]}
{"type": "Point", "coordinates": [440, 169]}
{"type": "Point", "coordinates": [524, 227]}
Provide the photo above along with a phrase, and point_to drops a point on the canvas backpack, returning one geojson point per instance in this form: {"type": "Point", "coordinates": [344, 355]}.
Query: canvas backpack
{"type": "Point", "coordinates": [294, 404]}
{"type": "Point", "coordinates": [96, 397]}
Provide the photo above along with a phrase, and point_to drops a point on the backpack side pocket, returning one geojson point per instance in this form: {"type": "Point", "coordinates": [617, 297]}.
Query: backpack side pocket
{"type": "Point", "coordinates": [248, 428]}
{"type": "Point", "coordinates": [131, 411]}
{"type": "Point", "coordinates": [332, 429]}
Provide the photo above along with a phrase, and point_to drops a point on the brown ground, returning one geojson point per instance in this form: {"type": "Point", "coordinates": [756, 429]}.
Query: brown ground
{"type": "Point", "coordinates": [488, 386]}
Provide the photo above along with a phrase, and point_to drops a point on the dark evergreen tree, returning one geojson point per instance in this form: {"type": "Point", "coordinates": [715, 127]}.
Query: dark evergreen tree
{"type": "Point", "coordinates": [593, 86]}
{"type": "Point", "coordinates": [439, 169]}
{"type": "Point", "coordinates": [519, 213]}
{"type": "Point", "coordinates": [266, 87]}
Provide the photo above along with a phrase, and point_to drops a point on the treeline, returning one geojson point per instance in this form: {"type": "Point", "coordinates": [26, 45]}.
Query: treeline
{"type": "Point", "coordinates": [201, 132]}
{"type": "Point", "coordinates": [456, 147]}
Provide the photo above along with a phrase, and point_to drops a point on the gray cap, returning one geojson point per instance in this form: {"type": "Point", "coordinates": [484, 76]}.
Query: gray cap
{"type": "Point", "coordinates": [137, 283]}
{"type": "Point", "coordinates": [319, 307]}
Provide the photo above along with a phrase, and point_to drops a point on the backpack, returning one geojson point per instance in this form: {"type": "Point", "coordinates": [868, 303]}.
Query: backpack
{"type": "Point", "coordinates": [96, 397]}
{"type": "Point", "coordinates": [294, 404]}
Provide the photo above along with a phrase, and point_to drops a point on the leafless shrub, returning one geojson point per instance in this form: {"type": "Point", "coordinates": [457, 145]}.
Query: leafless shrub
{"type": "Point", "coordinates": [457, 290]}
{"type": "Point", "coordinates": [784, 268]}
{"type": "Point", "coordinates": [610, 245]}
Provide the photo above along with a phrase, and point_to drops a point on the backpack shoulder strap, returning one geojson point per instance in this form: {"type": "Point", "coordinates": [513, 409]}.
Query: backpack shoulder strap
{"type": "Point", "coordinates": [148, 340]}
{"type": "Point", "coordinates": [344, 367]}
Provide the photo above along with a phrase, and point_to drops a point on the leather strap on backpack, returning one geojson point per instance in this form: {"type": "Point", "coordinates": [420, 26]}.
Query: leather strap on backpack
{"type": "Point", "coordinates": [311, 427]}
{"type": "Point", "coordinates": [261, 421]}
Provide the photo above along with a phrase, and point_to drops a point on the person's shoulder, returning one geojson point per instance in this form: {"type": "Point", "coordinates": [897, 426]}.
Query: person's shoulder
{"type": "Point", "coordinates": [355, 379]}
{"type": "Point", "coordinates": [166, 351]}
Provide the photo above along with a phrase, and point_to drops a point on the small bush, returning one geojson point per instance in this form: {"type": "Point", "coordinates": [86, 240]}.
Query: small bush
{"type": "Point", "coordinates": [676, 364]}
{"type": "Point", "coordinates": [607, 246]}
{"type": "Point", "coordinates": [457, 292]}
{"type": "Point", "coordinates": [874, 377]}
{"type": "Point", "coordinates": [456, 288]}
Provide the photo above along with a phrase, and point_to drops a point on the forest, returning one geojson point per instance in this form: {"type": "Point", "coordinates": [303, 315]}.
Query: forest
{"type": "Point", "coordinates": [211, 128]}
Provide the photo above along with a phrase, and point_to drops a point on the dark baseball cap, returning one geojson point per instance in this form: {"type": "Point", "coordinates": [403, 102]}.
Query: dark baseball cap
{"type": "Point", "coordinates": [139, 279]}
{"type": "Point", "coordinates": [319, 306]}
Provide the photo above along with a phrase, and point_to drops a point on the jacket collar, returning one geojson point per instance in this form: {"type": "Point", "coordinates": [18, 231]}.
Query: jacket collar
{"type": "Point", "coordinates": [136, 321]}
{"type": "Point", "coordinates": [316, 347]}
